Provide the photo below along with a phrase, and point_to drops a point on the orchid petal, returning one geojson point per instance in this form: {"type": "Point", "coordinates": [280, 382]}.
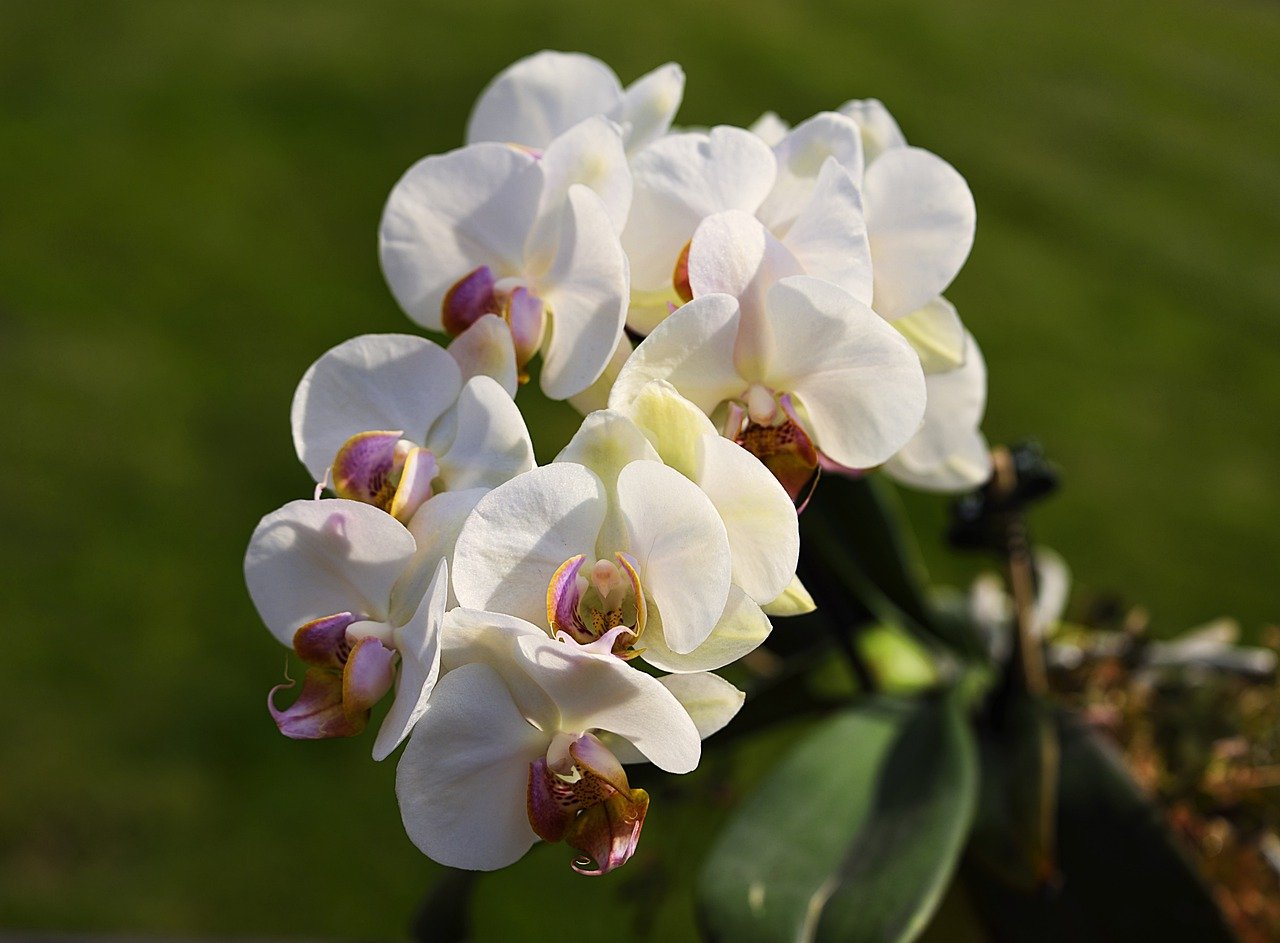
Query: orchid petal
{"type": "Point", "coordinates": [936, 333]}
{"type": "Point", "coordinates": [485, 348]}
{"type": "Point", "coordinates": [759, 517]}
{"type": "Point", "coordinates": [769, 128]}
{"type": "Point", "coordinates": [829, 237]}
{"type": "Point", "coordinates": [710, 701]}
{"type": "Point", "coordinates": [586, 293]}
{"type": "Point", "coordinates": [491, 638]}
{"type": "Point", "coordinates": [435, 528]}
{"type": "Point", "coordinates": [452, 212]}
{"type": "Point", "coordinates": [313, 558]}
{"type": "Point", "coordinates": [681, 179]}
{"type": "Point", "coordinates": [541, 96]}
{"type": "Point", "coordinates": [793, 601]}
{"type": "Point", "coordinates": [649, 104]}
{"type": "Point", "coordinates": [367, 675]}
{"type": "Point", "coordinates": [596, 396]}
{"type": "Point", "coordinates": [590, 153]}
{"type": "Point", "coordinates": [801, 154]}
{"type": "Point", "coordinates": [879, 131]}
{"type": "Point", "coordinates": [520, 533]}
{"type": "Point", "coordinates": [418, 642]}
{"type": "Point", "coordinates": [921, 218]}
{"type": "Point", "coordinates": [672, 424]}
{"type": "Point", "coordinates": [375, 381]}
{"type": "Point", "coordinates": [601, 692]}
{"type": "Point", "coordinates": [949, 452]}
{"type": "Point", "coordinates": [741, 629]}
{"type": "Point", "coordinates": [682, 549]}
{"type": "Point", "coordinates": [857, 378]}
{"type": "Point", "coordinates": [462, 777]}
{"type": "Point", "coordinates": [692, 350]}
{"type": "Point", "coordinates": [491, 443]}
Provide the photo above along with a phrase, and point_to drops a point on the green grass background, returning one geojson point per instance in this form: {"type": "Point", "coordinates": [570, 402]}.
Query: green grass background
{"type": "Point", "coordinates": [189, 193]}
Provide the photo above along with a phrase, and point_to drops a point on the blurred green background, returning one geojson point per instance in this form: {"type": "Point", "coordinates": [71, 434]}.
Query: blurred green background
{"type": "Point", "coordinates": [189, 194]}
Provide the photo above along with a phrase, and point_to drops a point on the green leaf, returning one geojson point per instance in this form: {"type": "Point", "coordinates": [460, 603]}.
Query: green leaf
{"type": "Point", "coordinates": [853, 837]}
{"type": "Point", "coordinates": [1121, 877]}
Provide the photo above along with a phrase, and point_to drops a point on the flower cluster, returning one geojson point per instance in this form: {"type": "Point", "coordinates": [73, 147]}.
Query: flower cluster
{"type": "Point", "coordinates": [733, 311]}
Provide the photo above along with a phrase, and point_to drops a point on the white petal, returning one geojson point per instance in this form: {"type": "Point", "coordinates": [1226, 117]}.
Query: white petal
{"type": "Point", "coordinates": [879, 131]}
{"type": "Point", "coordinates": [936, 334]}
{"type": "Point", "coordinates": [649, 105]}
{"type": "Point", "coordinates": [769, 128]}
{"type": "Point", "coordinates": [450, 214]}
{"type": "Point", "coordinates": [606, 443]}
{"type": "Point", "coordinates": [486, 349]}
{"type": "Point", "coordinates": [316, 558]}
{"type": "Point", "coordinates": [586, 291]}
{"type": "Point", "coordinates": [372, 382]}
{"type": "Point", "coordinates": [693, 351]}
{"type": "Point", "coordinates": [710, 701]}
{"type": "Point", "coordinates": [596, 396]}
{"type": "Point", "coordinates": [829, 238]}
{"type": "Point", "coordinates": [601, 692]}
{"type": "Point", "coordinates": [490, 444]}
{"type": "Point", "coordinates": [793, 601]}
{"type": "Point", "coordinates": [921, 218]}
{"type": "Point", "coordinates": [734, 254]}
{"type": "Point", "coordinates": [949, 453]}
{"type": "Point", "coordinates": [418, 642]}
{"type": "Point", "coordinates": [672, 424]}
{"type": "Point", "coordinates": [681, 179]}
{"type": "Point", "coordinates": [801, 155]}
{"type": "Point", "coordinates": [463, 777]}
{"type": "Point", "coordinates": [435, 528]}
{"type": "Point", "coordinates": [681, 546]}
{"type": "Point", "coordinates": [759, 518]}
{"type": "Point", "coordinates": [541, 96]}
{"type": "Point", "coordinates": [856, 377]}
{"type": "Point", "coordinates": [471, 636]}
{"type": "Point", "coordinates": [589, 153]}
{"type": "Point", "coordinates": [741, 629]}
{"type": "Point", "coordinates": [520, 533]}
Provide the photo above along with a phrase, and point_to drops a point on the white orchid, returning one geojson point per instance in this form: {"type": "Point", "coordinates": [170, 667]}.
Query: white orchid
{"type": "Point", "coordinates": [801, 192]}
{"type": "Point", "coordinates": [609, 536]}
{"type": "Point", "coordinates": [494, 229]}
{"type": "Point", "coordinates": [949, 453]}
{"type": "Point", "coordinates": [799, 368]}
{"type": "Point", "coordinates": [538, 98]}
{"type": "Point", "coordinates": [353, 592]}
{"type": "Point", "coordinates": [387, 419]}
{"type": "Point", "coordinates": [511, 747]}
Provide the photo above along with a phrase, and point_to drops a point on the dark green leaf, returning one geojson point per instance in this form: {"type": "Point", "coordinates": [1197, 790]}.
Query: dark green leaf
{"type": "Point", "coordinates": [1121, 878]}
{"type": "Point", "coordinates": [853, 836]}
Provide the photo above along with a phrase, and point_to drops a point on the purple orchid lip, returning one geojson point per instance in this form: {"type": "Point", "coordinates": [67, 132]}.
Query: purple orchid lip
{"type": "Point", "coordinates": [526, 316]}
{"type": "Point", "coordinates": [470, 298]}
{"type": "Point", "coordinates": [598, 813]}
{"type": "Point", "coordinates": [363, 468]}
{"type": "Point", "coordinates": [784, 448]}
{"type": "Point", "coordinates": [564, 593]}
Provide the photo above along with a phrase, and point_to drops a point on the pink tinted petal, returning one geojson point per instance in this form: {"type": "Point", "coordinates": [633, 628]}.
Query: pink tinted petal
{"type": "Point", "coordinates": [563, 595]}
{"type": "Point", "coordinates": [323, 643]}
{"type": "Point", "coordinates": [528, 319]}
{"type": "Point", "coordinates": [608, 832]}
{"type": "Point", "coordinates": [368, 674]}
{"type": "Point", "coordinates": [592, 756]}
{"type": "Point", "coordinates": [318, 713]}
{"type": "Point", "coordinates": [363, 466]}
{"type": "Point", "coordinates": [414, 490]}
{"type": "Point", "coordinates": [470, 299]}
{"type": "Point", "coordinates": [552, 804]}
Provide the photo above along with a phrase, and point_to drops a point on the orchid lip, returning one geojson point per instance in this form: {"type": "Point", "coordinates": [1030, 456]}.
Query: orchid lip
{"type": "Point", "coordinates": [470, 298]}
{"type": "Point", "coordinates": [605, 597]}
{"type": "Point", "coordinates": [383, 469]}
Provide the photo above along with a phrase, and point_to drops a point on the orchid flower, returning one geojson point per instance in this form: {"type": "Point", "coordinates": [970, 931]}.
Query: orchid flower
{"type": "Point", "coordinates": [512, 745]}
{"type": "Point", "coordinates": [538, 98]}
{"type": "Point", "coordinates": [949, 453]}
{"type": "Point", "coordinates": [803, 193]}
{"type": "Point", "coordinates": [608, 536]}
{"type": "Point", "coordinates": [346, 586]}
{"type": "Point", "coordinates": [388, 420]}
{"type": "Point", "coordinates": [799, 368]}
{"type": "Point", "coordinates": [494, 229]}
